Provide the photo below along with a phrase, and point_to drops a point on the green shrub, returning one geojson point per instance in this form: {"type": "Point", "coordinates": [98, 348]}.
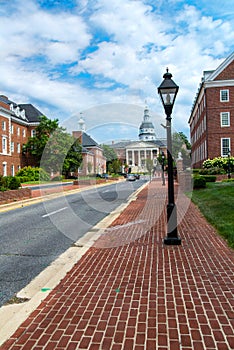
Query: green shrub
{"type": "Point", "coordinates": [14, 183]}
{"type": "Point", "coordinates": [9, 183]}
{"type": "Point", "coordinates": [210, 178]}
{"type": "Point", "coordinates": [33, 174]}
{"type": "Point", "coordinates": [220, 163]}
{"type": "Point", "coordinates": [228, 180]}
{"type": "Point", "coordinates": [199, 182]}
{"type": "Point", "coordinates": [196, 171]}
{"type": "Point", "coordinates": [23, 179]}
{"type": "Point", "coordinates": [212, 171]}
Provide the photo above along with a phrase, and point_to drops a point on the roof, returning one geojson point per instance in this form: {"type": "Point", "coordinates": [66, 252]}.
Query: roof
{"type": "Point", "coordinates": [85, 150]}
{"type": "Point", "coordinates": [32, 113]}
{"type": "Point", "coordinates": [210, 77]}
{"type": "Point", "coordinates": [87, 141]}
{"type": "Point", "coordinates": [221, 67]}
{"type": "Point", "coordinates": [125, 144]}
{"type": "Point", "coordinates": [146, 125]}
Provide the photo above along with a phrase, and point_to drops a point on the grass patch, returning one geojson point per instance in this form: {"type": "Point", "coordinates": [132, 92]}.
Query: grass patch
{"type": "Point", "coordinates": [216, 202]}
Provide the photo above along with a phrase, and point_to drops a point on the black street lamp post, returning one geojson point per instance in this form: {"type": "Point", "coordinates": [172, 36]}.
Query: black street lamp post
{"type": "Point", "coordinates": [168, 91]}
{"type": "Point", "coordinates": [163, 164]}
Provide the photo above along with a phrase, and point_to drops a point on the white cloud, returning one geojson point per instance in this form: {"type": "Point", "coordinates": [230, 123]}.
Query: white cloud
{"type": "Point", "coordinates": [126, 66]}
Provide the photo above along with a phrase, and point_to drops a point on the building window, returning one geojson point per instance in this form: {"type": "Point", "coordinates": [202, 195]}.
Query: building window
{"type": "Point", "coordinates": [224, 95]}
{"type": "Point", "coordinates": [18, 131]}
{"type": "Point", "coordinates": [4, 125]}
{"type": "Point", "coordinates": [33, 133]}
{"type": "Point", "coordinates": [4, 145]}
{"type": "Point", "coordinates": [18, 147]}
{"type": "Point", "coordinates": [225, 147]}
{"type": "Point", "coordinates": [12, 147]}
{"type": "Point", "coordinates": [12, 170]}
{"type": "Point", "coordinates": [24, 133]}
{"type": "Point", "coordinates": [225, 118]}
{"type": "Point", "coordinates": [12, 129]}
{"type": "Point", "coordinates": [4, 164]}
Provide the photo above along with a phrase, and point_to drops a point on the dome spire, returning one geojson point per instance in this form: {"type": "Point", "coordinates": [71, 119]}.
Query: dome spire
{"type": "Point", "coordinates": [81, 122]}
{"type": "Point", "coordinates": [146, 129]}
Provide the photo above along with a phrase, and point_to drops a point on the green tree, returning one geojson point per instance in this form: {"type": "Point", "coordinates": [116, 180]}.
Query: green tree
{"type": "Point", "coordinates": [114, 166]}
{"type": "Point", "coordinates": [180, 144]}
{"type": "Point", "coordinates": [109, 153]}
{"type": "Point", "coordinates": [149, 166]}
{"type": "Point", "coordinates": [53, 148]}
{"type": "Point", "coordinates": [73, 158]}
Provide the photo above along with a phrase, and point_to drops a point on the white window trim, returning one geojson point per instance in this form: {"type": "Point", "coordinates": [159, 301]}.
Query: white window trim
{"type": "Point", "coordinates": [229, 142]}
{"type": "Point", "coordinates": [4, 164]}
{"type": "Point", "coordinates": [4, 143]}
{"type": "Point", "coordinates": [227, 95]}
{"type": "Point", "coordinates": [13, 170]}
{"type": "Point", "coordinates": [221, 119]}
{"type": "Point", "coordinates": [3, 125]}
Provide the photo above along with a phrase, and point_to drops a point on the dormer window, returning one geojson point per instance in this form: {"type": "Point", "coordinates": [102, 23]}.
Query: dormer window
{"type": "Point", "coordinates": [23, 114]}
{"type": "Point", "coordinates": [17, 111]}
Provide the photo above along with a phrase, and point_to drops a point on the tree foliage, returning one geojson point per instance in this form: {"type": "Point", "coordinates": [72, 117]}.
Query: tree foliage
{"type": "Point", "coordinates": [109, 153]}
{"type": "Point", "coordinates": [219, 163]}
{"type": "Point", "coordinates": [53, 149]}
{"type": "Point", "coordinates": [180, 144]}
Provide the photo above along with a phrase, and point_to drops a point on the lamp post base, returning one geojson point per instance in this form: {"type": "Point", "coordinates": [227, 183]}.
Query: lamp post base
{"type": "Point", "coordinates": [172, 241]}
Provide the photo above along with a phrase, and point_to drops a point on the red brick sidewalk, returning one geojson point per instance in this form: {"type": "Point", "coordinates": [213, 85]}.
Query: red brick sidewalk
{"type": "Point", "coordinates": [129, 291]}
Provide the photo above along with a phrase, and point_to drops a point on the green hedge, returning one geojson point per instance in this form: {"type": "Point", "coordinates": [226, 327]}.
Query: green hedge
{"type": "Point", "coordinates": [9, 183]}
{"type": "Point", "coordinates": [199, 182]}
{"type": "Point", "coordinates": [32, 174]}
{"type": "Point", "coordinates": [209, 178]}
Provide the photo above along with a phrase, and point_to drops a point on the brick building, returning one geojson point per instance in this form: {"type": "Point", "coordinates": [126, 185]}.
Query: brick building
{"type": "Point", "coordinates": [17, 124]}
{"type": "Point", "coordinates": [93, 160]}
{"type": "Point", "coordinates": [212, 116]}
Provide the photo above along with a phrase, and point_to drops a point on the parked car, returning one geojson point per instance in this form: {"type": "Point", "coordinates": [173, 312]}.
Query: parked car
{"type": "Point", "coordinates": [131, 177]}
{"type": "Point", "coordinates": [137, 176]}
{"type": "Point", "coordinates": [102, 176]}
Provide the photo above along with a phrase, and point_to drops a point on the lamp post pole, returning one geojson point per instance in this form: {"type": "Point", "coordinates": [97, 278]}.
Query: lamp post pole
{"type": "Point", "coordinates": [168, 91]}
{"type": "Point", "coordinates": [163, 164]}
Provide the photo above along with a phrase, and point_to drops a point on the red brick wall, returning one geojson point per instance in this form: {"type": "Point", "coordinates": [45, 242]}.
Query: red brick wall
{"type": "Point", "coordinates": [227, 72]}
{"type": "Point", "coordinates": [214, 130]}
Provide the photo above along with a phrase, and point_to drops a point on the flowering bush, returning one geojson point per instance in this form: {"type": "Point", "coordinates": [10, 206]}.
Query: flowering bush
{"type": "Point", "coordinates": [219, 163]}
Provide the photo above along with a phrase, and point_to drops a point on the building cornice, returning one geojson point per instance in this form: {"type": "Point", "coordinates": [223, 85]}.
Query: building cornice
{"type": "Point", "coordinates": [5, 112]}
{"type": "Point", "coordinates": [222, 66]}
{"type": "Point", "coordinates": [218, 83]}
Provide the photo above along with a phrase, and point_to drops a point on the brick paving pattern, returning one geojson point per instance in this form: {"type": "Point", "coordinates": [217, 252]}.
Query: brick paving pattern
{"type": "Point", "coordinates": [129, 291]}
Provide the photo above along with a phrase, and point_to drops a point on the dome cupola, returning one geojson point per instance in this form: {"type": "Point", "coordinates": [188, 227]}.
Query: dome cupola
{"type": "Point", "coordinates": [146, 129]}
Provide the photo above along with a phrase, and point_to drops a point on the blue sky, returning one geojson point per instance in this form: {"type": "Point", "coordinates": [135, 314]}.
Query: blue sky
{"type": "Point", "coordinates": [105, 59]}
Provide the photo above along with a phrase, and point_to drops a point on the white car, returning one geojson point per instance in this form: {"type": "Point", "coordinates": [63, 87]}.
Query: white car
{"type": "Point", "coordinates": [131, 177]}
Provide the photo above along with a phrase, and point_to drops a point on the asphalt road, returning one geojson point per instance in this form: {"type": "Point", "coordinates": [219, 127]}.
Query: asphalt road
{"type": "Point", "coordinates": [32, 237]}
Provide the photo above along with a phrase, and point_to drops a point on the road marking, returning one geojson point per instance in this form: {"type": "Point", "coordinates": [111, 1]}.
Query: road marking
{"type": "Point", "coordinates": [54, 212]}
